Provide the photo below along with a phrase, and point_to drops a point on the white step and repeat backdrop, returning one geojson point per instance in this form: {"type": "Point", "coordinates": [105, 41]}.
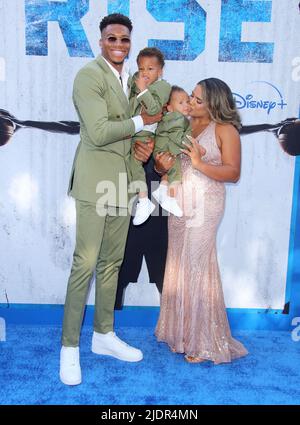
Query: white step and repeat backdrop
{"type": "Point", "coordinates": [252, 45]}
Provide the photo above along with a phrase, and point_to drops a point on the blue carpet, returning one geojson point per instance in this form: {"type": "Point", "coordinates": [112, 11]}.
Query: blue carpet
{"type": "Point", "coordinates": [29, 360]}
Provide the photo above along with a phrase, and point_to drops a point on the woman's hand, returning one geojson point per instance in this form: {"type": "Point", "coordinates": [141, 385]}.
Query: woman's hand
{"type": "Point", "coordinates": [194, 151]}
{"type": "Point", "coordinates": [230, 150]}
{"type": "Point", "coordinates": [164, 161]}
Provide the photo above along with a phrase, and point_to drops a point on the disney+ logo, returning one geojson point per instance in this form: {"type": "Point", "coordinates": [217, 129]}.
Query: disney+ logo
{"type": "Point", "coordinates": [251, 102]}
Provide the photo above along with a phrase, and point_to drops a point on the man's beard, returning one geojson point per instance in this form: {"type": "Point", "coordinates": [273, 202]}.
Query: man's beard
{"type": "Point", "coordinates": [118, 63]}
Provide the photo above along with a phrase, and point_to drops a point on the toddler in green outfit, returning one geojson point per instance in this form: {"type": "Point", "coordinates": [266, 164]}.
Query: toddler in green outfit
{"type": "Point", "coordinates": [150, 93]}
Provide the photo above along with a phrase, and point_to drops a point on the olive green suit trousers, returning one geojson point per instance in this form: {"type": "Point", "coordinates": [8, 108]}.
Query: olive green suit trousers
{"type": "Point", "coordinates": [100, 245]}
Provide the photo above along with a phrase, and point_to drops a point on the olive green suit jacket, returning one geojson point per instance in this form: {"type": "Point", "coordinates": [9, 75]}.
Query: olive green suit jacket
{"type": "Point", "coordinates": [105, 136]}
{"type": "Point", "coordinates": [171, 132]}
{"type": "Point", "coordinates": [153, 100]}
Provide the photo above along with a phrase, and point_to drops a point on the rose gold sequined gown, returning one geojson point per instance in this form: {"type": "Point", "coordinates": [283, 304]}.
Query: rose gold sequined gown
{"type": "Point", "coordinates": [192, 317]}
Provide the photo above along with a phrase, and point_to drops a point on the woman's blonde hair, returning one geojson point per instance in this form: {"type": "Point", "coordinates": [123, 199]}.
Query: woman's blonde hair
{"type": "Point", "coordinates": [220, 102]}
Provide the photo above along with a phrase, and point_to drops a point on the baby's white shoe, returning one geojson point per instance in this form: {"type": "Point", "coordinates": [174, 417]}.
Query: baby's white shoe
{"type": "Point", "coordinates": [170, 204]}
{"type": "Point", "coordinates": [144, 209]}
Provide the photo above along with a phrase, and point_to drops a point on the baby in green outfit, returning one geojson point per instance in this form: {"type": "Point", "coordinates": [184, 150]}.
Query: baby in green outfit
{"type": "Point", "coordinates": [171, 134]}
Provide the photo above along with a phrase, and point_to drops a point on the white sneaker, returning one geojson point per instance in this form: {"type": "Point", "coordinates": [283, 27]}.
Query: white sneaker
{"type": "Point", "coordinates": [160, 193]}
{"type": "Point", "coordinates": [110, 345]}
{"type": "Point", "coordinates": [170, 204]}
{"type": "Point", "coordinates": [70, 372]}
{"type": "Point", "coordinates": [144, 209]}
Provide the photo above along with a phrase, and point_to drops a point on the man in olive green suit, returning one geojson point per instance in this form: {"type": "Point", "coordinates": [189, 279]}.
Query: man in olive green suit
{"type": "Point", "coordinates": [99, 183]}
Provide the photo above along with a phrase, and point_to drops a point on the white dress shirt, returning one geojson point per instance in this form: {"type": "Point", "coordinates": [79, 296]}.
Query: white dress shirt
{"type": "Point", "coordinates": [138, 120]}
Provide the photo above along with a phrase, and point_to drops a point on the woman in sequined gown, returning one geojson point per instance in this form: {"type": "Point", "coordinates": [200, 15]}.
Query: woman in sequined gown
{"type": "Point", "coordinates": [192, 317]}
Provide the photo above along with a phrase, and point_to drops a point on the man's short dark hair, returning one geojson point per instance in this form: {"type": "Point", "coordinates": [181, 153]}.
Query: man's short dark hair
{"type": "Point", "coordinates": [115, 18]}
{"type": "Point", "coordinates": [150, 52]}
